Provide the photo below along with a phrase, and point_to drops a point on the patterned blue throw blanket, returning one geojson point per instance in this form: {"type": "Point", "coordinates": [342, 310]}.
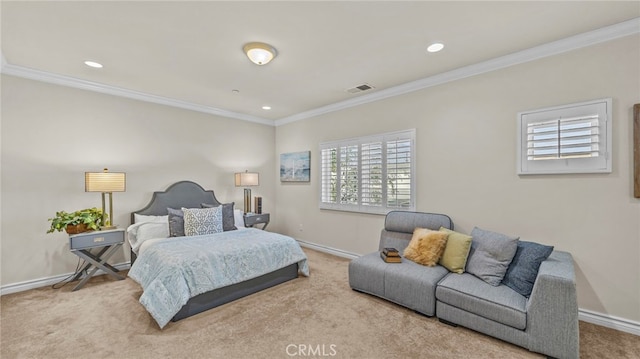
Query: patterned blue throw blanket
{"type": "Point", "coordinates": [175, 269]}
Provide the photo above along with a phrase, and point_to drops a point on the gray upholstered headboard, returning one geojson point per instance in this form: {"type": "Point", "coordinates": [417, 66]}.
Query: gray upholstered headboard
{"type": "Point", "coordinates": [180, 194]}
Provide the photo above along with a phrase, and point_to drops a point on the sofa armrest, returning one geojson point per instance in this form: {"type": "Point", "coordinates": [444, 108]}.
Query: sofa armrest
{"type": "Point", "coordinates": [552, 309]}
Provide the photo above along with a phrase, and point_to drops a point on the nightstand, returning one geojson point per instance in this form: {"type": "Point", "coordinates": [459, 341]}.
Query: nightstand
{"type": "Point", "coordinates": [251, 219]}
{"type": "Point", "coordinates": [105, 243]}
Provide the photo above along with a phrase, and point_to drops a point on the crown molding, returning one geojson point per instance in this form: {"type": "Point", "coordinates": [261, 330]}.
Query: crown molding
{"type": "Point", "coordinates": [612, 32]}
{"type": "Point", "coordinates": [68, 81]}
{"type": "Point", "coordinates": [575, 42]}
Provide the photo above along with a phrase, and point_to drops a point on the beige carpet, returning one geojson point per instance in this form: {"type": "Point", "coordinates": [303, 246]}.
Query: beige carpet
{"type": "Point", "coordinates": [319, 316]}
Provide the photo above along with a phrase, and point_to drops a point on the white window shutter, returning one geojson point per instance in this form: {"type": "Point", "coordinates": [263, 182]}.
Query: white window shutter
{"type": "Point", "coordinates": [372, 174]}
{"type": "Point", "coordinates": [573, 138]}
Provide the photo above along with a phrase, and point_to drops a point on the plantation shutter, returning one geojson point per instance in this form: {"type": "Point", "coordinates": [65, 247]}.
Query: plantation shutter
{"type": "Point", "coordinates": [399, 181]}
{"type": "Point", "coordinates": [574, 138]}
{"type": "Point", "coordinates": [564, 138]}
{"type": "Point", "coordinates": [349, 173]}
{"type": "Point", "coordinates": [329, 175]}
{"type": "Point", "coordinates": [372, 174]}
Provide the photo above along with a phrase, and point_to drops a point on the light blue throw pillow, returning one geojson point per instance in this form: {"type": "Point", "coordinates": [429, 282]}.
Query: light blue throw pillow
{"type": "Point", "coordinates": [199, 221]}
{"type": "Point", "coordinates": [523, 270]}
{"type": "Point", "coordinates": [490, 255]}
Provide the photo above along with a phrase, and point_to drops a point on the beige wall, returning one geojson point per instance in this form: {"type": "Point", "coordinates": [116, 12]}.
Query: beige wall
{"type": "Point", "coordinates": [466, 168]}
{"type": "Point", "coordinates": [51, 135]}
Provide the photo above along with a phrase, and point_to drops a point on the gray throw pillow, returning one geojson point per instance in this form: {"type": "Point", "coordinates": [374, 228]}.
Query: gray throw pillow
{"type": "Point", "coordinates": [490, 255]}
{"type": "Point", "coordinates": [176, 222]}
{"type": "Point", "coordinates": [228, 220]}
{"type": "Point", "coordinates": [523, 270]}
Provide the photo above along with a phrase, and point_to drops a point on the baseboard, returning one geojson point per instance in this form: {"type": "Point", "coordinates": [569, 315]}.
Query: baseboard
{"type": "Point", "coordinates": [609, 321]}
{"type": "Point", "coordinates": [44, 282]}
{"type": "Point", "coordinates": [329, 250]}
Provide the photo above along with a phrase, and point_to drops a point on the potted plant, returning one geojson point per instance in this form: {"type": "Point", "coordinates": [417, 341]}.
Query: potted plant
{"type": "Point", "coordinates": [89, 219]}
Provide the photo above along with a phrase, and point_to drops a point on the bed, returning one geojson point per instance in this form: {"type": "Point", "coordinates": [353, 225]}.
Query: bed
{"type": "Point", "coordinates": [227, 268]}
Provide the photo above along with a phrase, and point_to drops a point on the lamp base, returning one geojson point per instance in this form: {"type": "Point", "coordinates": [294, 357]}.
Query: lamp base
{"type": "Point", "coordinates": [247, 200]}
{"type": "Point", "coordinates": [106, 228]}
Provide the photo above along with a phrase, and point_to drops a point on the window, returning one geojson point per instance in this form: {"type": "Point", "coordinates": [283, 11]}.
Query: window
{"type": "Point", "coordinates": [373, 174]}
{"type": "Point", "coordinates": [574, 138]}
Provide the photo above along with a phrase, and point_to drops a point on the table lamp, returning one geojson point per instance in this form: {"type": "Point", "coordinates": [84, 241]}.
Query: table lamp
{"type": "Point", "coordinates": [247, 179]}
{"type": "Point", "coordinates": [105, 182]}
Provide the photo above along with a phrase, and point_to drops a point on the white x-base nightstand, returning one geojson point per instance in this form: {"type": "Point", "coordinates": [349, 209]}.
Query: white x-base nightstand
{"type": "Point", "coordinates": [106, 243]}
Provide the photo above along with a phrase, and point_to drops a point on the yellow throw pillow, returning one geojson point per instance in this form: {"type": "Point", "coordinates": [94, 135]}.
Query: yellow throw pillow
{"type": "Point", "coordinates": [426, 246]}
{"type": "Point", "coordinates": [456, 251]}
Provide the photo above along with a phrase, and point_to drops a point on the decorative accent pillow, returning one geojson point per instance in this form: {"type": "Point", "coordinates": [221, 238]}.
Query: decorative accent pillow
{"type": "Point", "coordinates": [523, 269]}
{"type": "Point", "coordinates": [176, 222]}
{"type": "Point", "coordinates": [228, 222]}
{"type": "Point", "coordinates": [426, 246]}
{"type": "Point", "coordinates": [456, 252]}
{"type": "Point", "coordinates": [199, 221]}
{"type": "Point", "coordinates": [490, 255]}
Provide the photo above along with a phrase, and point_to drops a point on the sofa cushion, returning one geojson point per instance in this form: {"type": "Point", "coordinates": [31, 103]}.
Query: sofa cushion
{"type": "Point", "coordinates": [467, 292]}
{"type": "Point", "coordinates": [395, 240]}
{"type": "Point", "coordinates": [413, 285]}
{"type": "Point", "coordinates": [407, 283]}
{"type": "Point", "coordinates": [490, 255]}
{"type": "Point", "coordinates": [455, 254]}
{"type": "Point", "coordinates": [426, 246]}
{"type": "Point", "coordinates": [366, 274]}
{"type": "Point", "coordinates": [523, 269]}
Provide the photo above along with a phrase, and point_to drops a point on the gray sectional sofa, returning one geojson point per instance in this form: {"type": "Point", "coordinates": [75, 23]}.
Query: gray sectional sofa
{"type": "Point", "coordinates": [546, 322]}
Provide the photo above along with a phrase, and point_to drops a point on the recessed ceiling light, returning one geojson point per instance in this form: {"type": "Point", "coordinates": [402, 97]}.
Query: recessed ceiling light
{"type": "Point", "coordinates": [93, 64]}
{"type": "Point", "coordinates": [435, 47]}
{"type": "Point", "coordinates": [266, 107]}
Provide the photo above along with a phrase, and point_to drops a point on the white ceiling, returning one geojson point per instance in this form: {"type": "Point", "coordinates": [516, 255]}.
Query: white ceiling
{"type": "Point", "coordinates": [191, 52]}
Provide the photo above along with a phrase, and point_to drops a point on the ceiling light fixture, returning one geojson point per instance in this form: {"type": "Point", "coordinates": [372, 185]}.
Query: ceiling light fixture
{"type": "Point", "coordinates": [93, 64]}
{"type": "Point", "coordinates": [266, 107]}
{"type": "Point", "coordinates": [435, 47]}
{"type": "Point", "coordinates": [260, 53]}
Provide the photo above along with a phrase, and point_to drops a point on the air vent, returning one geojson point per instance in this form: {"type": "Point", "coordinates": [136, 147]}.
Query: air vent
{"type": "Point", "coordinates": [360, 88]}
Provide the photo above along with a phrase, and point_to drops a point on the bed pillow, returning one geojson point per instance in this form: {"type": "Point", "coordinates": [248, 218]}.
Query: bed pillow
{"type": "Point", "coordinates": [490, 255]}
{"type": "Point", "coordinates": [456, 252]}
{"type": "Point", "coordinates": [523, 269]}
{"type": "Point", "coordinates": [199, 221]}
{"type": "Point", "coordinates": [228, 221]}
{"type": "Point", "coordinates": [151, 230]}
{"type": "Point", "coordinates": [426, 246]}
{"type": "Point", "coordinates": [176, 222]}
{"type": "Point", "coordinates": [139, 232]}
{"type": "Point", "coordinates": [238, 217]}
{"type": "Point", "coordinates": [137, 218]}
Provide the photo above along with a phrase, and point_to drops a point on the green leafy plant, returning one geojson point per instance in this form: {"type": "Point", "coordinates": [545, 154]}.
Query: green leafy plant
{"type": "Point", "coordinates": [91, 217]}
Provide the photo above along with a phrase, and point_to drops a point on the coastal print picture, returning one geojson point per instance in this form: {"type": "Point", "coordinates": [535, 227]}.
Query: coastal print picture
{"type": "Point", "coordinates": [295, 166]}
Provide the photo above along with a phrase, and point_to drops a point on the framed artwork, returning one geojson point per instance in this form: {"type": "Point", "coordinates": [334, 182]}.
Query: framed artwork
{"type": "Point", "coordinates": [636, 150]}
{"type": "Point", "coordinates": [295, 166]}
